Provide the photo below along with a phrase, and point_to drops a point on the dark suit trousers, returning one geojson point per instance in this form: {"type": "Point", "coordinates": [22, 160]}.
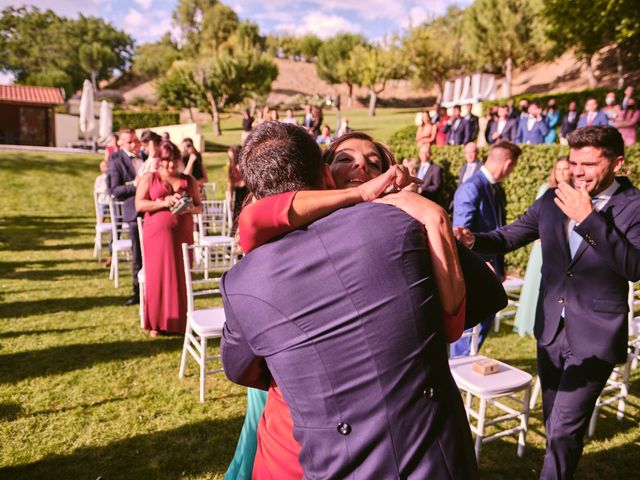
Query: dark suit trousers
{"type": "Point", "coordinates": [136, 257]}
{"type": "Point", "coordinates": [570, 387]}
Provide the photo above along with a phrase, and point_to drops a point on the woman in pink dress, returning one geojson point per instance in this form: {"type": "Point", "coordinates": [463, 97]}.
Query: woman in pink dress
{"type": "Point", "coordinates": [163, 236]}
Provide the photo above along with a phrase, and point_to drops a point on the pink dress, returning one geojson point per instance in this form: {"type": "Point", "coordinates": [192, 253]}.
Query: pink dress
{"type": "Point", "coordinates": [163, 236]}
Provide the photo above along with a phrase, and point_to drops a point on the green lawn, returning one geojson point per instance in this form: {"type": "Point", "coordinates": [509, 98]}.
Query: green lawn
{"type": "Point", "coordinates": [85, 393]}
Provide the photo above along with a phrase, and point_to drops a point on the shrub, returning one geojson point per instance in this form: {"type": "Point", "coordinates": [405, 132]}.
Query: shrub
{"type": "Point", "coordinates": [122, 119]}
{"type": "Point", "coordinates": [520, 187]}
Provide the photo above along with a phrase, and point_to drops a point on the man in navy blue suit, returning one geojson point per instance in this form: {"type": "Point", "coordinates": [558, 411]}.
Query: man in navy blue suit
{"type": "Point", "coordinates": [455, 128]}
{"type": "Point", "coordinates": [430, 173]}
{"type": "Point", "coordinates": [471, 125]}
{"type": "Point", "coordinates": [590, 235]}
{"type": "Point", "coordinates": [591, 115]}
{"type": "Point", "coordinates": [479, 205]}
{"type": "Point", "coordinates": [121, 181]}
{"type": "Point", "coordinates": [504, 128]}
{"type": "Point", "coordinates": [532, 129]}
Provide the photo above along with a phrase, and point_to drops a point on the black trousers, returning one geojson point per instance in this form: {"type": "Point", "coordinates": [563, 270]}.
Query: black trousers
{"type": "Point", "coordinates": [570, 387]}
{"type": "Point", "coordinates": [136, 256]}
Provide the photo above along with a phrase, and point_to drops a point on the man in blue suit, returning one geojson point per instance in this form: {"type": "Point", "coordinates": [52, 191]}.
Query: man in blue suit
{"type": "Point", "coordinates": [504, 128]}
{"type": "Point", "coordinates": [532, 129]}
{"type": "Point", "coordinates": [455, 128]}
{"type": "Point", "coordinates": [590, 235]}
{"type": "Point", "coordinates": [591, 116]}
{"type": "Point", "coordinates": [471, 125]}
{"type": "Point", "coordinates": [430, 173]}
{"type": "Point", "coordinates": [479, 205]}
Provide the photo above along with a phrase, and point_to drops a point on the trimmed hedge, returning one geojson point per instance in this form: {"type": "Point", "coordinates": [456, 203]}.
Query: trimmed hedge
{"type": "Point", "coordinates": [520, 187]}
{"type": "Point", "coordinates": [148, 119]}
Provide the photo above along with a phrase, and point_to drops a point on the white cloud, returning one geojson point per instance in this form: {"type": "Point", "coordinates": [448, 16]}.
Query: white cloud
{"type": "Point", "coordinates": [144, 4]}
{"type": "Point", "coordinates": [323, 25]}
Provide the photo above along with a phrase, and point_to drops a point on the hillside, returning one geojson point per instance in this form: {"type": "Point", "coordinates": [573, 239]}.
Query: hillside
{"type": "Point", "coordinates": [565, 73]}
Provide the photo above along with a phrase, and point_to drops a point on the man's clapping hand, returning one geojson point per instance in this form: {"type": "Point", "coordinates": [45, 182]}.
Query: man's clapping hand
{"type": "Point", "coordinates": [465, 236]}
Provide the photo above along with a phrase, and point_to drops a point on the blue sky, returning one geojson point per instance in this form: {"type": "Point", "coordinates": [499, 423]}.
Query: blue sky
{"type": "Point", "coordinates": [147, 20]}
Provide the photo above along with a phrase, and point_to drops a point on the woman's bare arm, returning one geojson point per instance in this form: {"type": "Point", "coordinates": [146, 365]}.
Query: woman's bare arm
{"type": "Point", "coordinates": [145, 204]}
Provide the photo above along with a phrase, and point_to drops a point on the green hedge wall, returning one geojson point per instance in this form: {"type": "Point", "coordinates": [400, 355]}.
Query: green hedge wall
{"type": "Point", "coordinates": [520, 187]}
{"type": "Point", "coordinates": [122, 119]}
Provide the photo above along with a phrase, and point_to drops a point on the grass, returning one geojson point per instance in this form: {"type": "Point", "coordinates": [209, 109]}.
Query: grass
{"type": "Point", "coordinates": [85, 393]}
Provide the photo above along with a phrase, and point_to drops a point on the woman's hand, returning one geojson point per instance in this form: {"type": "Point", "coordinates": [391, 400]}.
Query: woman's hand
{"type": "Point", "coordinates": [394, 179]}
{"type": "Point", "coordinates": [170, 200]}
{"type": "Point", "coordinates": [420, 208]}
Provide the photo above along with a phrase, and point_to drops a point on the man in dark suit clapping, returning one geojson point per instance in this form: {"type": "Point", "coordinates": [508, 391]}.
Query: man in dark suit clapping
{"type": "Point", "coordinates": [471, 125]}
{"type": "Point", "coordinates": [504, 128]}
{"type": "Point", "coordinates": [455, 128]}
{"type": "Point", "coordinates": [121, 181]}
{"type": "Point", "coordinates": [590, 235]}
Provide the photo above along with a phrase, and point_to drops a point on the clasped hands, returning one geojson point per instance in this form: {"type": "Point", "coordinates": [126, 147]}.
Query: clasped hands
{"type": "Point", "coordinates": [393, 180]}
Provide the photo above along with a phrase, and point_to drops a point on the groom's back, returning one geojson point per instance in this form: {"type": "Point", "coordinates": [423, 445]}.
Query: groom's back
{"type": "Point", "coordinates": [346, 315]}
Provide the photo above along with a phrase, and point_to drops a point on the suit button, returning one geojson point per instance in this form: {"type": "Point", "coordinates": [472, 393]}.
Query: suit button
{"type": "Point", "coordinates": [569, 273]}
{"type": "Point", "coordinates": [344, 428]}
{"type": "Point", "coordinates": [429, 393]}
{"type": "Point", "coordinates": [561, 300]}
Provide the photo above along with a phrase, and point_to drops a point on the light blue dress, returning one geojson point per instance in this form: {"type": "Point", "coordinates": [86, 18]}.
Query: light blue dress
{"type": "Point", "coordinates": [526, 313]}
{"type": "Point", "coordinates": [241, 465]}
{"type": "Point", "coordinates": [552, 121]}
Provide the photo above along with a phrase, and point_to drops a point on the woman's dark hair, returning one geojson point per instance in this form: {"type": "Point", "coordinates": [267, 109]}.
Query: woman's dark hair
{"type": "Point", "coordinates": [280, 157]}
{"type": "Point", "coordinates": [386, 157]}
{"type": "Point", "coordinates": [149, 136]}
{"type": "Point", "coordinates": [604, 137]}
{"type": "Point", "coordinates": [168, 151]}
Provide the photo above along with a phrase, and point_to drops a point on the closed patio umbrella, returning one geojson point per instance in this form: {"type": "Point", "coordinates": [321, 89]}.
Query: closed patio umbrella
{"type": "Point", "coordinates": [106, 120]}
{"type": "Point", "coordinates": [87, 119]}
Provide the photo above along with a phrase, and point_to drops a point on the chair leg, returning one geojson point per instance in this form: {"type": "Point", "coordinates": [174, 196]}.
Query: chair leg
{"type": "Point", "coordinates": [621, 402]}
{"type": "Point", "coordinates": [142, 299]}
{"type": "Point", "coordinates": [524, 421]}
{"type": "Point", "coordinates": [594, 419]}
{"type": "Point", "coordinates": [496, 322]}
{"type": "Point", "coordinates": [536, 392]}
{"type": "Point", "coordinates": [481, 419]}
{"type": "Point", "coordinates": [185, 351]}
{"type": "Point", "coordinates": [116, 270]}
{"type": "Point", "coordinates": [203, 366]}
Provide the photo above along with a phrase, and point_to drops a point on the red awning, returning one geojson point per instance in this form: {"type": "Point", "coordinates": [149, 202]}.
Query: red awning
{"type": "Point", "coordinates": [30, 95]}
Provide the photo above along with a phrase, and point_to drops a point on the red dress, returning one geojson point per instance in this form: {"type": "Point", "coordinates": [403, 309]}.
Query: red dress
{"type": "Point", "coordinates": [163, 234]}
{"type": "Point", "coordinates": [441, 137]}
{"type": "Point", "coordinates": [277, 452]}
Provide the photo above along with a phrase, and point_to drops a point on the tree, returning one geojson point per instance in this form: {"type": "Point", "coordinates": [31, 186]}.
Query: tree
{"type": "Point", "coordinates": [309, 46]}
{"type": "Point", "coordinates": [375, 66]}
{"type": "Point", "coordinates": [501, 34]}
{"type": "Point", "coordinates": [333, 60]}
{"type": "Point", "coordinates": [154, 59]}
{"type": "Point", "coordinates": [435, 51]}
{"type": "Point", "coordinates": [188, 16]}
{"type": "Point", "coordinates": [178, 88]}
{"type": "Point", "coordinates": [93, 58]}
{"type": "Point", "coordinates": [219, 23]}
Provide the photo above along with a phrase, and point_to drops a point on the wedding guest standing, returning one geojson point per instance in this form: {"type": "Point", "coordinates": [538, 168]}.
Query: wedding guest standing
{"type": "Point", "coordinates": [164, 233]}
{"type": "Point", "coordinates": [121, 182]}
{"type": "Point", "coordinates": [193, 164]}
{"type": "Point", "coordinates": [236, 188]}
{"type": "Point", "coordinates": [552, 116]}
{"type": "Point", "coordinates": [441, 135]}
{"type": "Point", "coordinates": [526, 313]}
{"type": "Point", "coordinates": [627, 122]}
{"type": "Point", "coordinates": [533, 127]}
{"type": "Point", "coordinates": [591, 115]}
{"type": "Point", "coordinates": [426, 133]}
{"type": "Point", "coordinates": [569, 122]}
{"type": "Point", "coordinates": [611, 108]}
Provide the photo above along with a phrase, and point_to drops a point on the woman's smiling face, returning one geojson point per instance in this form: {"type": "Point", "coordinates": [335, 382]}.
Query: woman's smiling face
{"type": "Point", "coordinates": [355, 161]}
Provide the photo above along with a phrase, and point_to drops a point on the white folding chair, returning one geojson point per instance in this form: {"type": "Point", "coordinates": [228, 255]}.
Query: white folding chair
{"type": "Point", "coordinates": [509, 382]}
{"type": "Point", "coordinates": [103, 228]}
{"type": "Point", "coordinates": [214, 227]}
{"type": "Point", "coordinates": [141, 275]}
{"type": "Point", "coordinates": [120, 247]}
{"type": "Point", "coordinates": [202, 324]}
{"type": "Point", "coordinates": [209, 190]}
{"type": "Point", "coordinates": [615, 390]}
{"type": "Point", "coordinates": [634, 327]}
{"type": "Point", "coordinates": [513, 286]}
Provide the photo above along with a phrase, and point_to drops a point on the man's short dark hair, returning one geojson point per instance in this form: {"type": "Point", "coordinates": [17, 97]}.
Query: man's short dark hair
{"type": "Point", "coordinates": [513, 149]}
{"type": "Point", "coordinates": [604, 137]}
{"type": "Point", "coordinates": [280, 157]}
{"type": "Point", "coordinates": [128, 130]}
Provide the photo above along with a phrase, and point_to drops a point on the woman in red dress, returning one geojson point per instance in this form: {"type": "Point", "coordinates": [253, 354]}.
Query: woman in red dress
{"type": "Point", "coordinates": [163, 236]}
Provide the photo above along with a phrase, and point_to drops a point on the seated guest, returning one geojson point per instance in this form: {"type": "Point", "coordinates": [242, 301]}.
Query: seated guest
{"type": "Point", "coordinates": [569, 122]}
{"type": "Point", "coordinates": [192, 160]}
{"type": "Point", "coordinates": [533, 128]}
{"type": "Point", "coordinates": [455, 128]}
{"type": "Point", "coordinates": [472, 163]}
{"type": "Point", "coordinates": [611, 108]}
{"type": "Point", "coordinates": [627, 122]}
{"type": "Point", "coordinates": [591, 115]}
{"type": "Point", "coordinates": [552, 116]}
{"type": "Point", "coordinates": [164, 232]}
{"type": "Point", "coordinates": [430, 174]}
{"type": "Point", "coordinates": [504, 128]}
{"type": "Point", "coordinates": [290, 118]}
{"type": "Point", "coordinates": [325, 137]}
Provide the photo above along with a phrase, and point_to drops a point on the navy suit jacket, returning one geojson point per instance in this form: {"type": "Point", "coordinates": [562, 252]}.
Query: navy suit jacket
{"type": "Point", "coordinates": [471, 129]}
{"type": "Point", "coordinates": [593, 286]}
{"type": "Point", "coordinates": [567, 127]}
{"type": "Point", "coordinates": [535, 136]}
{"type": "Point", "coordinates": [509, 131]}
{"type": "Point", "coordinates": [326, 311]}
{"type": "Point", "coordinates": [474, 166]}
{"type": "Point", "coordinates": [600, 119]}
{"type": "Point", "coordinates": [475, 209]}
{"type": "Point", "coordinates": [456, 136]}
{"type": "Point", "coordinates": [432, 182]}
{"type": "Point", "coordinates": [120, 172]}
